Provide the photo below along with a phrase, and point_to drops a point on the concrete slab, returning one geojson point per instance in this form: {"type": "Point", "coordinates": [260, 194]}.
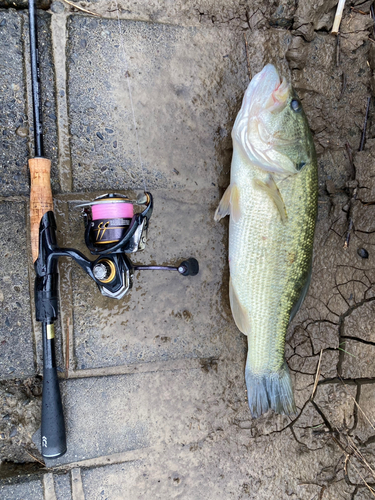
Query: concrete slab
{"type": "Point", "coordinates": [101, 483]}
{"type": "Point", "coordinates": [165, 316]}
{"type": "Point", "coordinates": [110, 415]}
{"type": "Point", "coordinates": [184, 84]}
{"type": "Point", "coordinates": [234, 13]}
{"type": "Point", "coordinates": [30, 489]}
{"type": "Point", "coordinates": [63, 488]}
{"type": "Point", "coordinates": [207, 469]}
{"type": "Point", "coordinates": [16, 353]}
{"type": "Point", "coordinates": [13, 118]}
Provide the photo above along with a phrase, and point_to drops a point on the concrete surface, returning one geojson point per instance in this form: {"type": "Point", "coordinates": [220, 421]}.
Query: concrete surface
{"type": "Point", "coordinates": [183, 97]}
{"type": "Point", "coordinates": [153, 385]}
{"type": "Point", "coordinates": [13, 118]}
{"type": "Point", "coordinates": [62, 486]}
{"type": "Point", "coordinates": [126, 332]}
{"type": "Point", "coordinates": [114, 422]}
{"type": "Point", "coordinates": [30, 489]}
{"type": "Point", "coordinates": [17, 347]}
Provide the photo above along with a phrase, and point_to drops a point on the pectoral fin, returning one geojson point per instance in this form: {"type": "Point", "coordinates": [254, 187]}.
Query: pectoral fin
{"type": "Point", "coordinates": [229, 204]}
{"type": "Point", "coordinates": [273, 192]}
{"type": "Point", "coordinates": [224, 206]}
{"type": "Point", "coordinates": [240, 315]}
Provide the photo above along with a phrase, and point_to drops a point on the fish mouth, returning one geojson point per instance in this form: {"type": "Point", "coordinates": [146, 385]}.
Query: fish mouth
{"type": "Point", "coordinates": [270, 91]}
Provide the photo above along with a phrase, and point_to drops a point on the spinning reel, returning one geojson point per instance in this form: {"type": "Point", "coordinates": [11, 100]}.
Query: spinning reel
{"type": "Point", "coordinates": [112, 232]}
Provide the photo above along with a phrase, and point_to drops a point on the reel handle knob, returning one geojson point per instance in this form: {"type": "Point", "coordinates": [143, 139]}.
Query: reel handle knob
{"type": "Point", "coordinates": [189, 267]}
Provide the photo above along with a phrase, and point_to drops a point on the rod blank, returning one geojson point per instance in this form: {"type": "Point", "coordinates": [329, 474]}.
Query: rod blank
{"type": "Point", "coordinates": [35, 81]}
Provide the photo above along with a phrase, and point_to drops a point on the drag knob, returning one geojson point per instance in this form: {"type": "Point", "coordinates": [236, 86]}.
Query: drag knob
{"type": "Point", "coordinates": [104, 270]}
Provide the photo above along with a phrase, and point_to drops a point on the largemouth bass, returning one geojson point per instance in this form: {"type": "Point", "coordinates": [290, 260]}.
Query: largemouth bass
{"type": "Point", "coordinates": [272, 203]}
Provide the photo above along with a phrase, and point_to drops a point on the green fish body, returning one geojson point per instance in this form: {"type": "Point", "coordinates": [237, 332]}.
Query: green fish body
{"type": "Point", "coordinates": [272, 203]}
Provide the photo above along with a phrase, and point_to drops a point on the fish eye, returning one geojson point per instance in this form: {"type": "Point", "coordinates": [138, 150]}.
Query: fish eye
{"type": "Point", "coordinates": [295, 105]}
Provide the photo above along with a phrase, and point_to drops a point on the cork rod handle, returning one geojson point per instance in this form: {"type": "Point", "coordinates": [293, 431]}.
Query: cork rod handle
{"type": "Point", "coordinates": [40, 198]}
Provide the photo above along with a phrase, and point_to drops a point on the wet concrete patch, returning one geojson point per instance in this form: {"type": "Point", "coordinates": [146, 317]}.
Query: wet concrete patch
{"type": "Point", "coordinates": [13, 119]}
{"type": "Point", "coordinates": [63, 489]}
{"type": "Point", "coordinates": [110, 482]}
{"type": "Point", "coordinates": [30, 489]}
{"type": "Point", "coordinates": [184, 84]}
{"type": "Point", "coordinates": [204, 470]}
{"type": "Point", "coordinates": [110, 415]}
{"type": "Point", "coordinates": [165, 316]}
{"type": "Point", "coordinates": [16, 353]}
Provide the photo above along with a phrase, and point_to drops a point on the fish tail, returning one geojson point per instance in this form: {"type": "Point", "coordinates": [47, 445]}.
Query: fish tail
{"type": "Point", "coordinates": [272, 390]}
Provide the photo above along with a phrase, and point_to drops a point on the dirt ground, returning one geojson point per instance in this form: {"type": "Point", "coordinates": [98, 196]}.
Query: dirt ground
{"type": "Point", "coordinates": [327, 452]}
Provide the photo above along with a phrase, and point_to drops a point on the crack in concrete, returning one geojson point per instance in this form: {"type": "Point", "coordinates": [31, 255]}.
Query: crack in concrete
{"type": "Point", "coordinates": [304, 445]}
{"type": "Point", "coordinates": [354, 493]}
{"type": "Point", "coordinates": [346, 447]}
{"type": "Point", "coordinates": [349, 381]}
{"type": "Point", "coordinates": [342, 326]}
{"type": "Point", "coordinates": [357, 339]}
{"type": "Point", "coordinates": [368, 441]}
{"type": "Point", "coordinates": [325, 305]}
{"type": "Point", "coordinates": [356, 406]}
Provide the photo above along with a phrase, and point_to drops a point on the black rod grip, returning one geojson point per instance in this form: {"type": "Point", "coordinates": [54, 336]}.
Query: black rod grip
{"type": "Point", "coordinates": [53, 438]}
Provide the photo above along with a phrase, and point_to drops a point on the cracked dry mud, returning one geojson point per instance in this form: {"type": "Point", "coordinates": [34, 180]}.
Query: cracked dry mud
{"type": "Point", "coordinates": [317, 454]}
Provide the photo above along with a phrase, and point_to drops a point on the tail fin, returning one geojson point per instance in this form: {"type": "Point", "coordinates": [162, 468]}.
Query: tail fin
{"type": "Point", "coordinates": [270, 390]}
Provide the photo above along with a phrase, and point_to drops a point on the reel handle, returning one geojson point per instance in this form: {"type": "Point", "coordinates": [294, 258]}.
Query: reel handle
{"type": "Point", "coordinates": [189, 267]}
{"type": "Point", "coordinates": [40, 198]}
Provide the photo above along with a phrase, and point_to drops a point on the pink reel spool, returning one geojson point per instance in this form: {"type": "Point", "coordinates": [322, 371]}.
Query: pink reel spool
{"type": "Point", "coordinates": [115, 210]}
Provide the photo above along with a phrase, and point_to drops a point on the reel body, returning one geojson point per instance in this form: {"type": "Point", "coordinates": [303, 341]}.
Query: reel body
{"type": "Point", "coordinates": [112, 232]}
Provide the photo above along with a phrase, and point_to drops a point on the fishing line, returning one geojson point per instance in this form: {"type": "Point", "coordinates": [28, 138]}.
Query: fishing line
{"type": "Point", "coordinates": [130, 94]}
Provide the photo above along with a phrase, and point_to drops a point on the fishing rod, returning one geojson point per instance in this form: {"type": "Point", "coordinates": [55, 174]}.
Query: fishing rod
{"type": "Point", "coordinates": [115, 227]}
{"type": "Point", "coordinates": [53, 439]}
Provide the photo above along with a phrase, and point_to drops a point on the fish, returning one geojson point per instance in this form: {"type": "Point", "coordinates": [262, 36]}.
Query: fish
{"type": "Point", "coordinates": [272, 202]}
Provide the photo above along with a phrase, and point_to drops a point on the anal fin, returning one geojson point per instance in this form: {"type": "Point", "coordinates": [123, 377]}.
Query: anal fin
{"type": "Point", "coordinates": [240, 315]}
